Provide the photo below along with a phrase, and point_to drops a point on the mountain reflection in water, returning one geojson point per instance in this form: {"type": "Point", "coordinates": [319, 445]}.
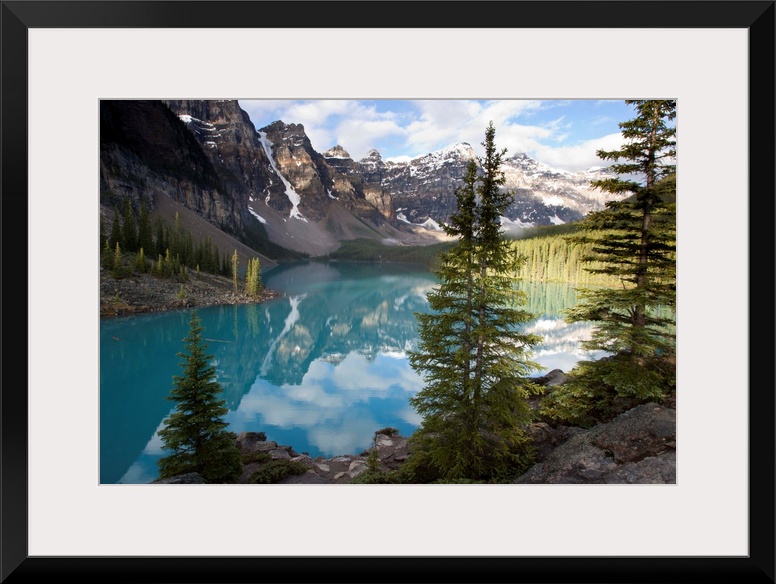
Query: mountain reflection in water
{"type": "Point", "coordinates": [320, 368]}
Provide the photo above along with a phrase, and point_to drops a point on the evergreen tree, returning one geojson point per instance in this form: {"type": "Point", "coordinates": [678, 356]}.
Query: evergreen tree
{"type": "Point", "coordinates": [117, 267]}
{"type": "Point", "coordinates": [128, 228]}
{"type": "Point", "coordinates": [161, 244]}
{"type": "Point", "coordinates": [472, 354]}
{"type": "Point", "coordinates": [140, 263]}
{"type": "Point", "coordinates": [253, 277]}
{"type": "Point", "coordinates": [144, 231]}
{"type": "Point", "coordinates": [634, 240]}
{"type": "Point", "coordinates": [107, 256]}
{"type": "Point", "coordinates": [115, 229]}
{"type": "Point", "coordinates": [195, 433]}
{"type": "Point", "coordinates": [235, 264]}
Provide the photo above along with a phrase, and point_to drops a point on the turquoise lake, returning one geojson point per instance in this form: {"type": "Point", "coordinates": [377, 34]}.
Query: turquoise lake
{"type": "Point", "coordinates": [320, 368]}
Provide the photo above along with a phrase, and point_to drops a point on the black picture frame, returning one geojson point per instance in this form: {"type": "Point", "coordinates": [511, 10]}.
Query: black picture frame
{"type": "Point", "coordinates": [755, 16]}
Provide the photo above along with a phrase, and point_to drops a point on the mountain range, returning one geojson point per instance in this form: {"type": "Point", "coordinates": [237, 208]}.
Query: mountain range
{"type": "Point", "coordinates": [268, 190]}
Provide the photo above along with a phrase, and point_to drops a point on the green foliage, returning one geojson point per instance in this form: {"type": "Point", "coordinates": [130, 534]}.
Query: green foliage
{"type": "Point", "coordinates": [161, 243]}
{"type": "Point", "coordinates": [472, 354]}
{"type": "Point", "coordinates": [174, 246]}
{"type": "Point", "coordinates": [634, 241]}
{"type": "Point", "coordinates": [144, 231]}
{"type": "Point", "coordinates": [140, 263]}
{"type": "Point", "coordinates": [388, 431]}
{"type": "Point", "coordinates": [128, 228]}
{"type": "Point", "coordinates": [377, 478]}
{"type": "Point", "coordinates": [107, 256]}
{"type": "Point", "coordinates": [253, 286]}
{"type": "Point", "coordinates": [275, 471]}
{"type": "Point", "coordinates": [597, 391]}
{"type": "Point", "coordinates": [370, 250]}
{"type": "Point", "coordinates": [555, 257]}
{"type": "Point", "coordinates": [373, 461]}
{"type": "Point", "coordinates": [115, 229]}
{"type": "Point", "coordinates": [373, 475]}
{"type": "Point", "coordinates": [117, 266]}
{"type": "Point", "coordinates": [256, 456]}
{"type": "Point", "coordinates": [235, 266]}
{"type": "Point", "coordinates": [195, 433]}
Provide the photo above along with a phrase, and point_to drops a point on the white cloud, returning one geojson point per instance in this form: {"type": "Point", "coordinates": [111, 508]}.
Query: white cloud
{"type": "Point", "coordinates": [403, 129]}
{"type": "Point", "coordinates": [579, 156]}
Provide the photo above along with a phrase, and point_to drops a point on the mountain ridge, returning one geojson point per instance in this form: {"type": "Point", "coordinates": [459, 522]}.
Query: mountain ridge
{"type": "Point", "coordinates": [268, 187]}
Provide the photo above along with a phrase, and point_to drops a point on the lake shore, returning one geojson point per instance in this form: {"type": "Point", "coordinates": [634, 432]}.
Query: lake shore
{"type": "Point", "coordinates": [144, 293]}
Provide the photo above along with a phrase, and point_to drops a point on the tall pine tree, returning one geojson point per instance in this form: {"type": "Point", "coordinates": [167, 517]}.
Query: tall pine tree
{"type": "Point", "coordinates": [634, 240]}
{"type": "Point", "coordinates": [253, 284]}
{"type": "Point", "coordinates": [235, 266]}
{"type": "Point", "coordinates": [472, 353]}
{"type": "Point", "coordinates": [128, 228]}
{"type": "Point", "coordinates": [195, 432]}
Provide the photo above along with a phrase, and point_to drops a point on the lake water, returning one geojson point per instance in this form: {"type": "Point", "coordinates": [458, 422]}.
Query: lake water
{"type": "Point", "coordinates": [320, 368]}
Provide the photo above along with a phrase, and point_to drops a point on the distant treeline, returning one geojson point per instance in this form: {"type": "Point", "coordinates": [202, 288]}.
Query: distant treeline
{"type": "Point", "coordinates": [540, 254]}
{"type": "Point", "coordinates": [135, 245]}
{"type": "Point", "coordinates": [549, 255]}
{"type": "Point", "coordinates": [370, 250]}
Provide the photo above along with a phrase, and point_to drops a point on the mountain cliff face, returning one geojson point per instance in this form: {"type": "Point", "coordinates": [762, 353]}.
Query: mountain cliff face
{"type": "Point", "coordinates": [270, 185]}
{"type": "Point", "coordinates": [144, 150]}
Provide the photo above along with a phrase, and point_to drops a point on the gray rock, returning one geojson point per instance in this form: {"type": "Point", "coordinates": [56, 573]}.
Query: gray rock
{"type": "Point", "coordinates": [554, 377]}
{"type": "Point", "coordinates": [638, 446]}
{"type": "Point", "coordinates": [279, 454]}
{"type": "Point", "coordinates": [191, 478]}
{"type": "Point", "coordinates": [251, 441]}
{"type": "Point", "coordinates": [308, 478]}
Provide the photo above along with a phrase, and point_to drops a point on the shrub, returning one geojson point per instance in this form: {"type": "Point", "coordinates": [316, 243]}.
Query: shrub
{"type": "Point", "coordinates": [387, 431]}
{"type": "Point", "coordinates": [256, 456]}
{"type": "Point", "coordinates": [377, 478]}
{"type": "Point", "coordinates": [275, 471]}
{"type": "Point", "coordinates": [597, 391]}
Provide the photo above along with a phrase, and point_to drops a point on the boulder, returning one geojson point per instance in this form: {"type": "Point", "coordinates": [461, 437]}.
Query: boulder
{"type": "Point", "coordinates": [554, 377]}
{"type": "Point", "coordinates": [251, 441]}
{"type": "Point", "coordinates": [638, 446]}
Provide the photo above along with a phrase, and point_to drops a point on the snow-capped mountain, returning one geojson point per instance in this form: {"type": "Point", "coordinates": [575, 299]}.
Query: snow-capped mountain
{"type": "Point", "coordinates": [269, 185]}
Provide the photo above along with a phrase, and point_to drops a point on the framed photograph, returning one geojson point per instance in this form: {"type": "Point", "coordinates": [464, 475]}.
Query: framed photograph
{"type": "Point", "coordinates": [62, 58]}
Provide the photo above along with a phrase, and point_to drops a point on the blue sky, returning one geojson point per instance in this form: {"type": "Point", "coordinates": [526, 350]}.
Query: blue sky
{"type": "Point", "coordinates": [562, 133]}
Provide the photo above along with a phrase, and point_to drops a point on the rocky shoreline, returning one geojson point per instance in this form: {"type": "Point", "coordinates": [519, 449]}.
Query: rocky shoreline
{"type": "Point", "coordinates": [638, 446]}
{"type": "Point", "coordinates": [142, 293]}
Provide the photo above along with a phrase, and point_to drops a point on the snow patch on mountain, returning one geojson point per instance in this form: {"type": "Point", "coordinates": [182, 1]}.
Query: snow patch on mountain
{"type": "Point", "coordinates": [428, 223]}
{"type": "Point", "coordinates": [516, 224]}
{"type": "Point", "coordinates": [292, 195]}
{"type": "Point", "coordinates": [259, 217]}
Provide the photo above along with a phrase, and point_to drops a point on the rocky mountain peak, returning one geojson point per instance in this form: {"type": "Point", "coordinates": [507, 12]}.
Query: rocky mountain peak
{"type": "Point", "coordinates": [272, 188]}
{"type": "Point", "coordinates": [372, 157]}
{"type": "Point", "coordinates": [336, 152]}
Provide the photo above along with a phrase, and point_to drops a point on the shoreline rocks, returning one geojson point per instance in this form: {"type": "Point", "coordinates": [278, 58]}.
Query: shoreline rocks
{"type": "Point", "coordinates": [636, 447]}
{"type": "Point", "coordinates": [145, 293]}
